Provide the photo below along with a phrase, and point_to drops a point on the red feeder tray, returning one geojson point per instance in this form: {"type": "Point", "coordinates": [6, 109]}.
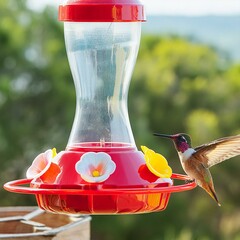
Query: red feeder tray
{"type": "Point", "coordinates": [102, 200]}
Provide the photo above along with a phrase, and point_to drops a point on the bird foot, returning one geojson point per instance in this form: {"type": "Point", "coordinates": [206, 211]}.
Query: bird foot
{"type": "Point", "coordinates": [190, 181]}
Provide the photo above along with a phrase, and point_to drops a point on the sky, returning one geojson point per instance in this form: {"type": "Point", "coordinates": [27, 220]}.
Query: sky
{"type": "Point", "coordinates": [173, 7]}
{"type": "Point", "coordinates": [192, 7]}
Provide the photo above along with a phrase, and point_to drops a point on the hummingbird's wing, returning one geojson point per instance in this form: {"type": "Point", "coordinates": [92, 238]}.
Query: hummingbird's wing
{"type": "Point", "coordinates": [217, 151]}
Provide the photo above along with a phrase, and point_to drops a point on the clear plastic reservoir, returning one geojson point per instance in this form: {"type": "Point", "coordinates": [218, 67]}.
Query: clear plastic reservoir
{"type": "Point", "coordinates": [102, 56]}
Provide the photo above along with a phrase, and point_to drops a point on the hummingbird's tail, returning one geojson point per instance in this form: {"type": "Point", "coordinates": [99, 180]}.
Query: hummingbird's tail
{"type": "Point", "coordinates": [210, 190]}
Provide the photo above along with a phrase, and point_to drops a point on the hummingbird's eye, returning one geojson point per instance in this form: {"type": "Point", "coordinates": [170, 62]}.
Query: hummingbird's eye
{"type": "Point", "coordinates": [182, 139]}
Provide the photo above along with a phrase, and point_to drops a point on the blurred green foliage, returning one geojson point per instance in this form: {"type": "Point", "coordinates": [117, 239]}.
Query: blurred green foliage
{"type": "Point", "coordinates": [177, 86]}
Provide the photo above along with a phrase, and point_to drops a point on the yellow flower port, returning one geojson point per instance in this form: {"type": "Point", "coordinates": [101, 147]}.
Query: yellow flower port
{"type": "Point", "coordinates": [156, 163]}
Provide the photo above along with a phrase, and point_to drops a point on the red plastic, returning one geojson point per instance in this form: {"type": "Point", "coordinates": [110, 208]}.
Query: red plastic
{"type": "Point", "coordinates": [15, 186]}
{"type": "Point", "coordinates": [126, 157]}
{"type": "Point", "coordinates": [102, 200]}
{"type": "Point", "coordinates": [102, 11]}
{"type": "Point", "coordinates": [132, 188]}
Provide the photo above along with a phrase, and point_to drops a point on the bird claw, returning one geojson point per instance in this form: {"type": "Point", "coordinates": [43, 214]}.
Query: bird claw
{"type": "Point", "coordinates": [190, 181]}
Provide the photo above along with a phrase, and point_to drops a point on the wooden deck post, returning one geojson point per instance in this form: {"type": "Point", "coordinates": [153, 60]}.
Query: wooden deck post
{"type": "Point", "coordinates": [27, 223]}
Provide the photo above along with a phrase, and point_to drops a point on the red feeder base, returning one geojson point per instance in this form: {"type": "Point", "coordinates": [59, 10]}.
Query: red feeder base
{"type": "Point", "coordinates": [132, 188]}
{"type": "Point", "coordinates": [102, 200]}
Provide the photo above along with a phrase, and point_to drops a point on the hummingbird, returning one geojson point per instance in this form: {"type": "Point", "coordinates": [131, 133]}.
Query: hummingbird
{"type": "Point", "coordinates": [197, 161]}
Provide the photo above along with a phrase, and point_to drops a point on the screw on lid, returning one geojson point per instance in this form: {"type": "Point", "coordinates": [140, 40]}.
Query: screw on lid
{"type": "Point", "coordinates": [102, 11]}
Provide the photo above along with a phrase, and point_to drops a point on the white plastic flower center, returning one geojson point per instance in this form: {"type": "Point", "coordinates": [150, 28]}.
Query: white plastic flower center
{"type": "Point", "coordinates": [95, 167]}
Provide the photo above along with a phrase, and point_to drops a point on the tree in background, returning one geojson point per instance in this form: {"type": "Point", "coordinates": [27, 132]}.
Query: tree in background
{"type": "Point", "coordinates": [37, 98]}
{"type": "Point", "coordinates": [177, 86]}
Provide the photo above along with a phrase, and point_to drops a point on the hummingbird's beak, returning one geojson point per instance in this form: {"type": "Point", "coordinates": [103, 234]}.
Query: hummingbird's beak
{"type": "Point", "coordinates": [164, 135]}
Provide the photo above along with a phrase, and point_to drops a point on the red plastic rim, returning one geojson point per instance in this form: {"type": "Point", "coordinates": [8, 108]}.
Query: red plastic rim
{"type": "Point", "coordinates": [15, 186]}
{"type": "Point", "coordinates": [102, 11]}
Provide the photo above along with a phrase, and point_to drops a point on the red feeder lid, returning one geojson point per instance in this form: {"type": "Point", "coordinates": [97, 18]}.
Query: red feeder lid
{"type": "Point", "coordinates": [102, 11]}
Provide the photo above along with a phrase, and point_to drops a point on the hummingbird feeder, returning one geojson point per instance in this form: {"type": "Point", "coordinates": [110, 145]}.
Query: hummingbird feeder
{"type": "Point", "coordinates": [100, 171]}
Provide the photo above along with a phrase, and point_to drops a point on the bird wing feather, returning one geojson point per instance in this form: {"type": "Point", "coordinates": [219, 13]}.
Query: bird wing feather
{"type": "Point", "coordinates": [217, 151]}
